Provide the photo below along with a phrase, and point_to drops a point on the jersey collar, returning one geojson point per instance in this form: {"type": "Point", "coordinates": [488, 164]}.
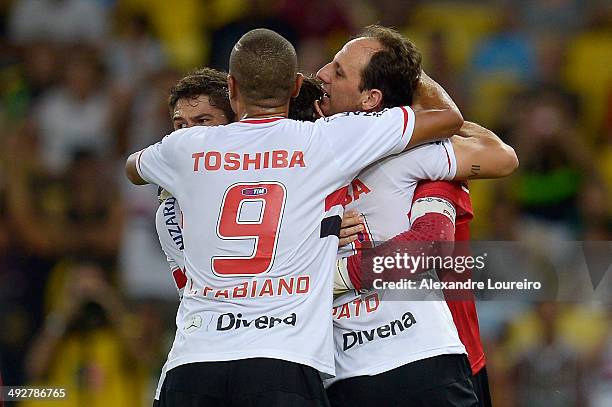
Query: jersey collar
{"type": "Point", "coordinates": [262, 120]}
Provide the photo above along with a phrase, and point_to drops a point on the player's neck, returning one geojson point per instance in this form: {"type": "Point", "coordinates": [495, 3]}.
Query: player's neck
{"type": "Point", "coordinates": [256, 112]}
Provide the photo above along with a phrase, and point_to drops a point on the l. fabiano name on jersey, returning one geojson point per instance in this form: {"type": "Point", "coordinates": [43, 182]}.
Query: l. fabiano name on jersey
{"type": "Point", "coordinates": [269, 287]}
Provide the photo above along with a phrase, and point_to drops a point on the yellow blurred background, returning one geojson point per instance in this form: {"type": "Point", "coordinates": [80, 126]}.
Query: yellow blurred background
{"type": "Point", "coordinates": [84, 82]}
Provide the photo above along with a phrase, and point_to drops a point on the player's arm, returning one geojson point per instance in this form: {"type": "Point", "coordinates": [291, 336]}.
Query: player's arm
{"type": "Point", "coordinates": [131, 169]}
{"type": "Point", "coordinates": [436, 114]}
{"type": "Point", "coordinates": [159, 163]}
{"type": "Point", "coordinates": [432, 221]}
{"type": "Point", "coordinates": [173, 249]}
{"type": "Point", "coordinates": [481, 154]}
{"type": "Point", "coordinates": [357, 139]}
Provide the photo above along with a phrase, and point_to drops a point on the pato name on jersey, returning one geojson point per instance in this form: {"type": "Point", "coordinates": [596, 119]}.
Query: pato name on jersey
{"type": "Point", "coordinates": [358, 306]}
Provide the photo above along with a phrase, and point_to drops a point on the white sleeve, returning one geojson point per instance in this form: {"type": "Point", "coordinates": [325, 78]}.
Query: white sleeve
{"type": "Point", "coordinates": [167, 224]}
{"type": "Point", "coordinates": [172, 263]}
{"type": "Point", "coordinates": [433, 161]}
{"type": "Point", "coordinates": [357, 139]}
{"type": "Point", "coordinates": [157, 164]}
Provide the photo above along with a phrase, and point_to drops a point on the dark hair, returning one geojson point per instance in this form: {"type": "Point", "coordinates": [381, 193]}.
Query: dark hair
{"type": "Point", "coordinates": [205, 81]}
{"type": "Point", "coordinates": [302, 106]}
{"type": "Point", "coordinates": [395, 70]}
{"type": "Point", "coordinates": [264, 65]}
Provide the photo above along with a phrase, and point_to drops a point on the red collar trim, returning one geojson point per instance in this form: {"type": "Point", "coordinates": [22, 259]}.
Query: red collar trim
{"type": "Point", "coordinates": [261, 121]}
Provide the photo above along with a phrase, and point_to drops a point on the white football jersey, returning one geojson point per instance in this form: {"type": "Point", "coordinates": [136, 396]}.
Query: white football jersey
{"type": "Point", "coordinates": [380, 330]}
{"type": "Point", "coordinates": [261, 214]}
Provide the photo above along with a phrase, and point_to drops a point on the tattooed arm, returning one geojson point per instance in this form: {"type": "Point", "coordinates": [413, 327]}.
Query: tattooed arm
{"type": "Point", "coordinates": [481, 154]}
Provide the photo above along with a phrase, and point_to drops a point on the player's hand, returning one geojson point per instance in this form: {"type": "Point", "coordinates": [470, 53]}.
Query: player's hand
{"type": "Point", "coordinates": [350, 227]}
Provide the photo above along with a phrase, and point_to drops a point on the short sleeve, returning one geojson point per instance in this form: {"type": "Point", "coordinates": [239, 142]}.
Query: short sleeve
{"type": "Point", "coordinates": [156, 164]}
{"type": "Point", "coordinates": [358, 139]}
{"type": "Point", "coordinates": [433, 161]}
{"type": "Point", "coordinates": [170, 233]}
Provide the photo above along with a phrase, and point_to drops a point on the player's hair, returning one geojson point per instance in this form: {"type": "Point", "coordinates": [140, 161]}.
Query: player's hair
{"type": "Point", "coordinates": [264, 65]}
{"type": "Point", "coordinates": [208, 82]}
{"type": "Point", "coordinates": [302, 106]}
{"type": "Point", "coordinates": [395, 70]}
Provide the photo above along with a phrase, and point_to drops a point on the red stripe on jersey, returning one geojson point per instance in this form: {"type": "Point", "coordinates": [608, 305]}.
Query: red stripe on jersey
{"type": "Point", "coordinates": [261, 121]}
{"type": "Point", "coordinates": [179, 278]}
{"type": "Point", "coordinates": [338, 197]}
{"type": "Point", "coordinates": [447, 158]}
{"type": "Point", "coordinates": [405, 119]}
{"type": "Point", "coordinates": [353, 265]}
{"type": "Point", "coordinates": [464, 311]}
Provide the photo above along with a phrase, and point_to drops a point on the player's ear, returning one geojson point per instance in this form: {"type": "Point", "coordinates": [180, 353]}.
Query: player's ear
{"type": "Point", "coordinates": [373, 100]}
{"type": "Point", "coordinates": [299, 78]}
{"type": "Point", "coordinates": [231, 86]}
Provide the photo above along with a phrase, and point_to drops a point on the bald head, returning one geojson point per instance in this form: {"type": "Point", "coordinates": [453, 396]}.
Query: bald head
{"type": "Point", "coordinates": [264, 65]}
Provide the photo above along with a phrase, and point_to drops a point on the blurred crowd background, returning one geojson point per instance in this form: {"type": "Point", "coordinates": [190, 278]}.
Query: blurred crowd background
{"type": "Point", "coordinates": [86, 300]}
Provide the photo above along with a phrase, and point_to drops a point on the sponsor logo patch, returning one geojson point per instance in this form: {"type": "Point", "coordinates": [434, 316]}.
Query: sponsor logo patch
{"type": "Point", "coordinates": [356, 338]}
{"type": "Point", "coordinates": [229, 321]}
{"type": "Point", "coordinates": [254, 191]}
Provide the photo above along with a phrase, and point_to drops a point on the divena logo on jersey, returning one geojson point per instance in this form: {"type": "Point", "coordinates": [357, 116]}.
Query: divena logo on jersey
{"type": "Point", "coordinates": [228, 321]}
{"type": "Point", "coordinates": [391, 329]}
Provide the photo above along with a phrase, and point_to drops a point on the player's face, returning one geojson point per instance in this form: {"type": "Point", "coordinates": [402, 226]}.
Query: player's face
{"type": "Point", "coordinates": [190, 112]}
{"type": "Point", "coordinates": [342, 76]}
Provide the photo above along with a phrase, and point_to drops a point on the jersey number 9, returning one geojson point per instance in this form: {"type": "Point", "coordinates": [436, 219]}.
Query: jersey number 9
{"type": "Point", "coordinates": [264, 230]}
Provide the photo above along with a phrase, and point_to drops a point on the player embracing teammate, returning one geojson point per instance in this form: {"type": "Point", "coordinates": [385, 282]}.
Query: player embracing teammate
{"type": "Point", "coordinates": [258, 205]}
{"type": "Point", "coordinates": [420, 359]}
{"type": "Point", "coordinates": [378, 361]}
{"type": "Point", "coordinates": [261, 203]}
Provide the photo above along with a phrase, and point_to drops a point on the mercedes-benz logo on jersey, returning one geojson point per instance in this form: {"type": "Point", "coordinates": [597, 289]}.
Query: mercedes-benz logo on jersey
{"type": "Point", "coordinates": [254, 191]}
{"type": "Point", "coordinates": [193, 323]}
